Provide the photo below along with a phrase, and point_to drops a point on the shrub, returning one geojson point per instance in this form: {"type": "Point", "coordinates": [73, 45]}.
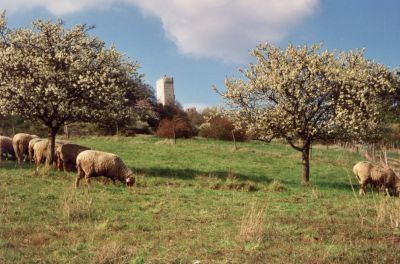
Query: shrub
{"type": "Point", "coordinates": [177, 127]}
{"type": "Point", "coordinates": [195, 118]}
{"type": "Point", "coordinates": [220, 127]}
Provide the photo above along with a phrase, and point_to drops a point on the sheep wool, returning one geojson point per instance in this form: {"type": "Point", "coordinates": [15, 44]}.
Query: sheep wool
{"type": "Point", "coordinates": [381, 177]}
{"type": "Point", "coordinates": [32, 142]}
{"type": "Point", "coordinates": [6, 148]}
{"type": "Point", "coordinates": [21, 144]}
{"type": "Point", "coordinates": [91, 163]}
{"type": "Point", "coordinates": [40, 149]}
{"type": "Point", "coordinates": [66, 156]}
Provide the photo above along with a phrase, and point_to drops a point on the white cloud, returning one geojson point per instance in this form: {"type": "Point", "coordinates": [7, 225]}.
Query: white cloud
{"type": "Point", "coordinates": [199, 106]}
{"type": "Point", "coordinates": [57, 7]}
{"type": "Point", "coordinates": [224, 29]}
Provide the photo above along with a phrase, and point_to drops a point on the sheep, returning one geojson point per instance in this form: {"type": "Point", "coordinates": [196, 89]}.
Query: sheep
{"type": "Point", "coordinates": [40, 149]}
{"type": "Point", "coordinates": [66, 156]}
{"type": "Point", "coordinates": [32, 142]}
{"type": "Point", "coordinates": [382, 177]}
{"type": "Point", "coordinates": [20, 144]}
{"type": "Point", "coordinates": [91, 163]}
{"type": "Point", "coordinates": [6, 148]}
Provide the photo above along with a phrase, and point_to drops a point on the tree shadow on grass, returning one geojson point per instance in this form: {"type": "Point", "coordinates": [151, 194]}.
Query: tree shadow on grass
{"type": "Point", "coordinates": [190, 174]}
{"type": "Point", "coordinates": [336, 185]}
{"type": "Point", "coordinates": [13, 165]}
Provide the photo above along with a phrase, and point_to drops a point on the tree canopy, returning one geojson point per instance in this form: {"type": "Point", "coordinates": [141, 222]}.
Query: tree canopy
{"type": "Point", "coordinates": [57, 75]}
{"type": "Point", "coordinates": [303, 95]}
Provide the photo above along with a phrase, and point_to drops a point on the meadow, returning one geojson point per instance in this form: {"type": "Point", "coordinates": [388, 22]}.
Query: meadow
{"type": "Point", "coordinates": [199, 201]}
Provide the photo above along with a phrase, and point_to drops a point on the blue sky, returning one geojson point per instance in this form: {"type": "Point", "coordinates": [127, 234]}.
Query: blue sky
{"type": "Point", "coordinates": [200, 43]}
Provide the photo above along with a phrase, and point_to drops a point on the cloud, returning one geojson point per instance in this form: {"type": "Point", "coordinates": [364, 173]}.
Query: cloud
{"type": "Point", "coordinates": [224, 29]}
{"type": "Point", "coordinates": [57, 7]}
{"type": "Point", "coordinates": [199, 106]}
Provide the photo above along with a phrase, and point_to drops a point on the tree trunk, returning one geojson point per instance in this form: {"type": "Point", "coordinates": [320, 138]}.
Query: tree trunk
{"type": "Point", "coordinates": [305, 162]}
{"type": "Point", "coordinates": [50, 157]}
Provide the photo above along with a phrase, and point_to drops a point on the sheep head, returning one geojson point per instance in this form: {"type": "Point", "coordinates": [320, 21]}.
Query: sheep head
{"type": "Point", "coordinates": [130, 180]}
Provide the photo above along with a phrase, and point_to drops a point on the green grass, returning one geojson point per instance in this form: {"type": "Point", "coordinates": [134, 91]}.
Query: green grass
{"type": "Point", "coordinates": [194, 201]}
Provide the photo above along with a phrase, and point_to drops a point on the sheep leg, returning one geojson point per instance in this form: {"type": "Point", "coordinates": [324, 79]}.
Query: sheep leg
{"type": "Point", "coordinates": [79, 176]}
{"type": "Point", "coordinates": [64, 164]}
{"type": "Point", "coordinates": [362, 189]}
{"type": "Point", "coordinates": [36, 163]}
{"type": "Point", "coordinates": [87, 178]}
{"type": "Point", "coordinates": [59, 164]}
{"type": "Point", "coordinates": [18, 157]}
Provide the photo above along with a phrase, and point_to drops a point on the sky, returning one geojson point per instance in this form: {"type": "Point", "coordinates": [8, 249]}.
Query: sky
{"type": "Point", "coordinates": [201, 42]}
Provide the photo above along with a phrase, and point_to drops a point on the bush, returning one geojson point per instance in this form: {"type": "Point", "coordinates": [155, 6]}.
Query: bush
{"type": "Point", "coordinates": [177, 127]}
{"type": "Point", "coordinates": [220, 127]}
{"type": "Point", "coordinates": [196, 119]}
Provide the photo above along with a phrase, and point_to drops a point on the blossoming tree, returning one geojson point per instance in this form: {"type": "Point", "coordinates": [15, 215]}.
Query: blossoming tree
{"type": "Point", "coordinates": [303, 95]}
{"type": "Point", "coordinates": [56, 75]}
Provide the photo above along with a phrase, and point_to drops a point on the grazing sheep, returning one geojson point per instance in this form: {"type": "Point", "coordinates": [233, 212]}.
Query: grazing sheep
{"type": "Point", "coordinates": [66, 156]}
{"type": "Point", "coordinates": [6, 148]}
{"type": "Point", "coordinates": [40, 149]}
{"type": "Point", "coordinates": [32, 142]}
{"type": "Point", "coordinates": [20, 144]}
{"type": "Point", "coordinates": [381, 177]}
{"type": "Point", "coordinates": [93, 163]}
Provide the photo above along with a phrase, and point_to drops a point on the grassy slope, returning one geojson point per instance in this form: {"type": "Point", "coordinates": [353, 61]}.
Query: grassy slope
{"type": "Point", "coordinates": [188, 205]}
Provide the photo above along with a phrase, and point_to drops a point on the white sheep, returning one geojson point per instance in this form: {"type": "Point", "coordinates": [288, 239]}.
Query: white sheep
{"type": "Point", "coordinates": [32, 142]}
{"type": "Point", "coordinates": [381, 177]}
{"type": "Point", "coordinates": [40, 150]}
{"type": "Point", "coordinates": [91, 163]}
{"type": "Point", "coordinates": [21, 144]}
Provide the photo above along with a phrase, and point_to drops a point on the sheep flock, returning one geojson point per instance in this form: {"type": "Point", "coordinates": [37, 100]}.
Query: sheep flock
{"type": "Point", "coordinates": [88, 163]}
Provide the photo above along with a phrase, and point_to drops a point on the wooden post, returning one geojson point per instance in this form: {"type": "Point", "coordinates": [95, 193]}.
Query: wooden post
{"type": "Point", "coordinates": [66, 131]}
{"type": "Point", "coordinates": [234, 139]}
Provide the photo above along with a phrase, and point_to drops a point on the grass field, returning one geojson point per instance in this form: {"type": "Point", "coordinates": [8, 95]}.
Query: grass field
{"type": "Point", "coordinates": [198, 201]}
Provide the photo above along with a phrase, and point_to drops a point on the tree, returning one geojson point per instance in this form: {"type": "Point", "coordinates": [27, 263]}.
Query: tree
{"type": "Point", "coordinates": [303, 95]}
{"type": "Point", "coordinates": [56, 75]}
{"type": "Point", "coordinates": [138, 106]}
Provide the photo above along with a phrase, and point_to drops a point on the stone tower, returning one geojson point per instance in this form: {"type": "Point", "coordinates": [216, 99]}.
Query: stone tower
{"type": "Point", "coordinates": [165, 90]}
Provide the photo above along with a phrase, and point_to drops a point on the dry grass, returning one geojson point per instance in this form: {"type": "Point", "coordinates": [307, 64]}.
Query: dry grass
{"type": "Point", "coordinates": [113, 252]}
{"type": "Point", "coordinates": [388, 212]}
{"type": "Point", "coordinates": [277, 186]}
{"type": "Point", "coordinates": [76, 206]}
{"type": "Point", "coordinates": [252, 225]}
{"type": "Point", "coordinates": [165, 142]}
